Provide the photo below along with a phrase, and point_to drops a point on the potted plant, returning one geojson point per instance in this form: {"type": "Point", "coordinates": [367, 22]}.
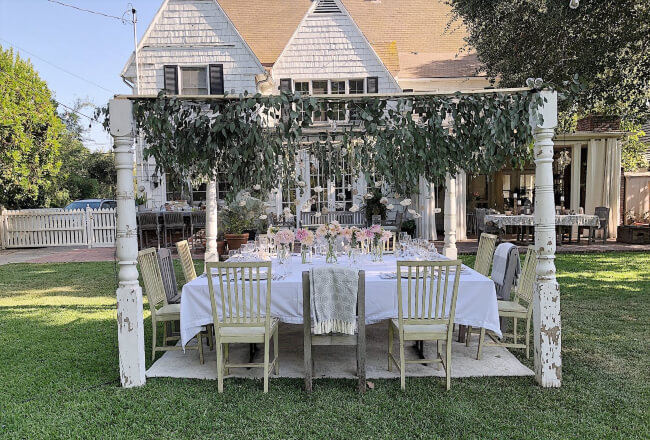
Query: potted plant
{"type": "Point", "coordinates": [240, 217]}
{"type": "Point", "coordinates": [141, 201]}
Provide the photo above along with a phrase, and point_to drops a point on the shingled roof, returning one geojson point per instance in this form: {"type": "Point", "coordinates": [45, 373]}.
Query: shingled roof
{"type": "Point", "coordinates": [410, 37]}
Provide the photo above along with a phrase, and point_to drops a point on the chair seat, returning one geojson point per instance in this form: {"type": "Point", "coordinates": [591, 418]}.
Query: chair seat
{"type": "Point", "coordinates": [175, 300]}
{"type": "Point", "coordinates": [169, 312]}
{"type": "Point", "coordinates": [422, 331]}
{"type": "Point", "coordinates": [511, 307]}
{"type": "Point", "coordinates": [255, 333]}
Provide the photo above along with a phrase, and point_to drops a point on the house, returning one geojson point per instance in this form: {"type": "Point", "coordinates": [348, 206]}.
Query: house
{"type": "Point", "coordinates": [320, 47]}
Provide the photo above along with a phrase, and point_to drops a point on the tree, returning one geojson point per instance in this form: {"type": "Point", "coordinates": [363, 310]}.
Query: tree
{"type": "Point", "coordinates": [29, 134]}
{"type": "Point", "coordinates": [606, 43]}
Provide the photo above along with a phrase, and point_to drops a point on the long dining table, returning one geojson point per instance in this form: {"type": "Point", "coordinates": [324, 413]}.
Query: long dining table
{"type": "Point", "coordinates": [476, 304]}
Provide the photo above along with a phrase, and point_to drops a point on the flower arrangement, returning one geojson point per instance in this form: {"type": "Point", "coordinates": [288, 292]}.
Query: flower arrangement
{"type": "Point", "coordinates": [285, 237]}
{"type": "Point", "coordinates": [353, 235]}
{"type": "Point", "coordinates": [378, 236]}
{"type": "Point", "coordinates": [329, 232]}
{"type": "Point", "coordinates": [306, 239]}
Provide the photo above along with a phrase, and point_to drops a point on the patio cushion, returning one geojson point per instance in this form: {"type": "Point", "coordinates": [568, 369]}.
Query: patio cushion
{"type": "Point", "coordinates": [423, 331]}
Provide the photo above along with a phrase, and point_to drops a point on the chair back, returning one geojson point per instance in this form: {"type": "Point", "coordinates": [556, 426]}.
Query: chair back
{"type": "Point", "coordinates": [485, 254]}
{"type": "Point", "coordinates": [399, 217]}
{"type": "Point", "coordinates": [376, 219]}
{"type": "Point", "coordinates": [168, 274]}
{"type": "Point", "coordinates": [243, 294]}
{"type": "Point", "coordinates": [173, 219]}
{"type": "Point", "coordinates": [389, 245]}
{"type": "Point", "coordinates": [526, 284]}
{"type": "Point", "coordinates": [428, 298]}
{"type": "Point", "coordinates": [197, 219]}
{"type": "Point", "coordinates": [184, 254]}
{"type": "Point", "coordinates": [603, 216]}
{"type": "Point", "coordinates": [148, 221]}
{"type": "Point", "coordinates": [153, 282]}
{"type": "Point", "coordinates": [480, 219]}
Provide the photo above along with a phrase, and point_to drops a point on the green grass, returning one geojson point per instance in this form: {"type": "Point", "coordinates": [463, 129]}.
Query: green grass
{"type": "Point", "coordinates": [59, 373]}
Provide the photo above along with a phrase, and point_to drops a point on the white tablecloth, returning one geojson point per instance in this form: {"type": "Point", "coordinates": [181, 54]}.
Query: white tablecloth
{"type": "Point", "coordinates": [476, 304]}
{"type": "Point", "coordinates": [501, 220]}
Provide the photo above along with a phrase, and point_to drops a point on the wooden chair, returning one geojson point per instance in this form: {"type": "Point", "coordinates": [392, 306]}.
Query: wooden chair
{"type": "Point", "coordinates": [603, 225]}
{"type": "Point", "coordinates": [389, 245]}
{"type": "Point", "coordinates": [168, 276]}
{"type": "Point", "coordinates": [155, 291]}
{"type": "Point", "coordinates": [483, 227]}
{"type": "Point", "coordinates": [185, 256]}
{"type": "Point", "coordinates": [173, 221]}
{"type": "Point", "coordinates": [485, 253]}
{"type": "Point", "coordinates": [335, 339]}
{"type": "Point", "coordinates": [197, 221]}
{"type": "Point", "coordinates": [147, 222]}
{"type": "Point", "coordinates": [239, 318]}
{"type": "Point", "coordinates": [514, 309]}
{"type": "Point", "coordinates": [425, 319]}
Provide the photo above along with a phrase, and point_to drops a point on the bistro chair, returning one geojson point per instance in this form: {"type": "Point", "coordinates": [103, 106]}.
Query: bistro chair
{"type": "Point", "coordinates": [243, 289]}
{"type": "Point", "coordinates": [514, 309]}
{"type": "Point", "coordinates": [147, 222]}
{"type": "Point", "coordinates": [425, 319]}
{"type": "Point", "coordinates": [168, 276]}
{"type": "Point", "coordinates": [197, 221]}
{"type": "Point", "coordinates": [603, 225]}
{"type": "Point", "coordinates": [483, 227]}
{"type": "Point", "coordinates": [311, 339]}
{"type": "Point", "coordinates": [155, 291]}
{"type": "Point", "coordinates": [389, 245]}
{"type": "Point", "coordinates": [185, 256]}
{"type": "Point", "coordinates": [485, 254]}
{"type": "Point", "coordinates": [173, 221]}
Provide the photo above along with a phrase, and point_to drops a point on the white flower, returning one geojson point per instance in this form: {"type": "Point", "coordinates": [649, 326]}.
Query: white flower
{"type": "Point", "coordinates": [397, 195]}
{"type": "Point", "coordinates": [242, 203]}
{"type": "Point", "coordinates": [263, 217]}
{"type": "Point", "coordinates": [288, 216]}
{"type": "Point", "coordinates": [325, 211]}
{"type": "Point", "coordinates": [341, 195]}
{"type": "Point", "coordinates": [378, 184]}
{"type": "Point", "coordinates": [318, 189]}
{"type": "Point", "coordinates": [383, 201]}
{"type": "Point", "coordinates": [405, 202]}
{"type": "Point", "coordinates": [266, 204]}
{"type": "Point", "coordinates": [257, 187]}
{"type": "Point", "coordinates": [317, 214]}
{"type": "Point", "coordinates": [368, 196]}
{"type": "Point", "coordinates": [354, 208]}
{"type": "Point", "coordinates": [226, 208]}
{"type": "Point", "coordinates": [274, 190]}
{"type": "Point", "coordinates": [349, 187]}
{"type": "Point", "coordinates": [287, 210]}
{"type": "Point", "coordinates": [355, 192]}
{"type": "Point", "coordinates": [306, 207]}
{"type": "Point", "coordinates": [412, 211]}
{"type": "Point", "coordinates": [416, 215]}
{"type": "Point", "coordinates": [301, 183]}
{"type": "Point", "coordinates": [389, 206]}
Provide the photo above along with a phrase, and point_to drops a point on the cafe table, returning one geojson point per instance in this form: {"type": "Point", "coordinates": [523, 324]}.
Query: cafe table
{"type": "Point", "coordinates": [476, 304]}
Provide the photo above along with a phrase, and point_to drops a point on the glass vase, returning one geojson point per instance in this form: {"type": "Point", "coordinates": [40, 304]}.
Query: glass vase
{"type": "Point", "coordinates": [284, 254]}
{"type": "Point", "coordinates": [331, 258]}
{"type": "Point", "coordinates": [377, 251]}
{"type": "Point", "coordinates": [305, 254]}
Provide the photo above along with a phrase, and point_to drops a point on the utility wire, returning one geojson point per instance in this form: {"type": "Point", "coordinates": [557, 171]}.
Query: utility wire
{"type": "Point", "coordinates": [122, 19]}
{"type": "Point", "coordinates": [57, 67]}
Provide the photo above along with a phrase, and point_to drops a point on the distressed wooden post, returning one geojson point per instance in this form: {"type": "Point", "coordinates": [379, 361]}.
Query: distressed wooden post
{"type": "Point", "coordinates": [130, 327]}
{"type": "Point", "coordinates": [546, 301]}
{"type": "Point", "coordinates": [449, 249]}
{"type": "Point", "coordinates": [211, 253]}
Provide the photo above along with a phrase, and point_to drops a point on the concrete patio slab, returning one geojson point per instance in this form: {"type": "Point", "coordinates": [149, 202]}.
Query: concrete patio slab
{"type": "Point", "coordinates": [340, 362]}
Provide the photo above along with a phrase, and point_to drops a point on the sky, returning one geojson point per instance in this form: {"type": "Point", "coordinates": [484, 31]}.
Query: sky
{"type": "Point", "coordinates": [66, 44]}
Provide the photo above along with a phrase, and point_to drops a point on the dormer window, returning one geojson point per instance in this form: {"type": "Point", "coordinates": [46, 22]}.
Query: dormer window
{"type": "Point", "coordinates": [194, 81]}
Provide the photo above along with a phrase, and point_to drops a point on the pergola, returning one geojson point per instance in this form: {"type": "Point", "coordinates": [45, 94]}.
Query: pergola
{"type": "Point", "coordinates": [546, 304]}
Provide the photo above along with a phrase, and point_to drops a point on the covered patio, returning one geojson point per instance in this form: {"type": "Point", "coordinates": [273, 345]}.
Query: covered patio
{"type": "Point", "coordinates": [540, 121]}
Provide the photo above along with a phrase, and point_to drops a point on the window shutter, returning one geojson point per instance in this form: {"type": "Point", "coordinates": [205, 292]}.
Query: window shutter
{"type": "Point", "coordinates": [285, 85]}
{"type": "Point", "coordinates": [373, 84]}
{"type": "Point", "coordinates": [216, 79]}
{"type": "Point", "coordinates": [171, 80]}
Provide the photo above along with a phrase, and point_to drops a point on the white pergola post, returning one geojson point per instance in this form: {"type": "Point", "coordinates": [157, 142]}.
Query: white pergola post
{"type": "Point", "coordinates": [546, 301]}
{"type": "Point", "coordinates": [211, 253]}
{"type": "Point", "coordinates": [130, 328]}
{"type": "Point", "coordinates": [449, 248]}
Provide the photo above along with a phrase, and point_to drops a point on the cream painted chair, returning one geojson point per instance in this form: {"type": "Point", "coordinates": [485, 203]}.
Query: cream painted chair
{"type": "Point", "coordinates": [155, 290]}
{"type": "Point", "coordinates": [243, 289]}
{"type": "Point", "coordinates": [389, 245]}
{"type": "Point", "coordinates": [185, 257]}
{"type": "Point", "coordinates": [430, 309]}
{"type": "Point", "coordinates": [485, 254]}
{"type": "Point", "coordinates": [514, 309]}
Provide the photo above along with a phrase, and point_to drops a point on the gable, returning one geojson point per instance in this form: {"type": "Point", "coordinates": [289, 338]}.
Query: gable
{"type": "Point", "coordinates": [193, 32]}
{"type": "Point", "coordinates": [328, 45]}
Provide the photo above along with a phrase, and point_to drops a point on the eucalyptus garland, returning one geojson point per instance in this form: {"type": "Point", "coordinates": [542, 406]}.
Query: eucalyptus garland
{"type": "Point", "coordinates": [255, 139]}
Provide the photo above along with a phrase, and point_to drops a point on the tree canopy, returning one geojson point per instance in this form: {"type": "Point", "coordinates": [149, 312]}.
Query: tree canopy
{"type": "Point", "coordinates": [30, 131]}
{"type": "Point", "coordinates": [606, 43]}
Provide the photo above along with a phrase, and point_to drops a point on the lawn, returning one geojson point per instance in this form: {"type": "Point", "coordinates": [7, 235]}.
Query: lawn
{"type": "Point", "coordinates": [59, 373]}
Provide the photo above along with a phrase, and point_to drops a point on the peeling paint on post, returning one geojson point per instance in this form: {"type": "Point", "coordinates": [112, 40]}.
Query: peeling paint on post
{"type": "Point", "coordinates": [546, 302]}
{"type": "Point", "coordinates": [449, 248]}
{"type": "Point", "coordinates": [130, 326]}
{"type": "Point", "coordinates": [211, 253]}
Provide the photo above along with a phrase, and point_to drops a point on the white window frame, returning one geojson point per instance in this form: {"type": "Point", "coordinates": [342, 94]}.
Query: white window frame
{"type": "Point", "coordinates": [180, 68]}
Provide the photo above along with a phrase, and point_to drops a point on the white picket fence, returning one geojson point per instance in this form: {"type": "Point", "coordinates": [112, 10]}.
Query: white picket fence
{"type": "Point", "coordinates": [27, 228]}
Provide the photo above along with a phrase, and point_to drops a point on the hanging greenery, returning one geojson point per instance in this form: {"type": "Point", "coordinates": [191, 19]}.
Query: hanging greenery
{"type": "Point", "coordinates": [254, 139]}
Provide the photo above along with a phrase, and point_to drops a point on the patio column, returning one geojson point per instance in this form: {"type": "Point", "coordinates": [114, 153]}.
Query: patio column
{"type": "Point", "coordinates": [130, 328]}
{"type": "Point", "coordinates": [449, 249]}
{"type": "Point", "coordinates": [211, 253]}
{"type": "Point", "coordinates": [546, 300]}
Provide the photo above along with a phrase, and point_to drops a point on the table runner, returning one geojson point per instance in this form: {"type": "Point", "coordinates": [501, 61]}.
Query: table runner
{"type": "Point", "coordinates": [502, 220]}
{"type": "Point", "coordinates": [476, 304]}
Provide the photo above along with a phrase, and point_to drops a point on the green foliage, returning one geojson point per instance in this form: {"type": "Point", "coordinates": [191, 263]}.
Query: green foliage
{"type": "Point", "coordinates": [409, 227]}
{"type": "Point", "coordinates": [257, 138]}
{"type": "Point", "coordinates": [632, 152]}
{"type": "Point", "coordinates": [29, 134]}
{"type": "Point", "coordinates": [242, 214]}
{"type": "Point", "coordinates": [373, 206]}
{"type": "Point", "coordinates": [606, 43]}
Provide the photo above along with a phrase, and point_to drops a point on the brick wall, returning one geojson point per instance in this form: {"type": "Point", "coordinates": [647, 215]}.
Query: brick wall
{"type": "Point", "coordinates": [599, 123]}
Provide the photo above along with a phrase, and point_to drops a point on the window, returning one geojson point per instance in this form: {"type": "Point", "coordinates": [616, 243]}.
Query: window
{"type": "Point", "coordinates": [285, 84]}
{"type": "Point", "coordinates": [194, 81]}
{"type": "Point", "coordinates": [303, 88]}
{"type": "Point", "coordinates": [320, 88]}
{"type": "Point", "coordinates": [170, 80]}
{"type": "Point", "coordinates": [355, 88]}
{"type": "Point", "coordinates": [373, 84]}
{"type": "Point", "coordinates": [216, 79]}
{"type": "Point", "coordinates": [338, 108]}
